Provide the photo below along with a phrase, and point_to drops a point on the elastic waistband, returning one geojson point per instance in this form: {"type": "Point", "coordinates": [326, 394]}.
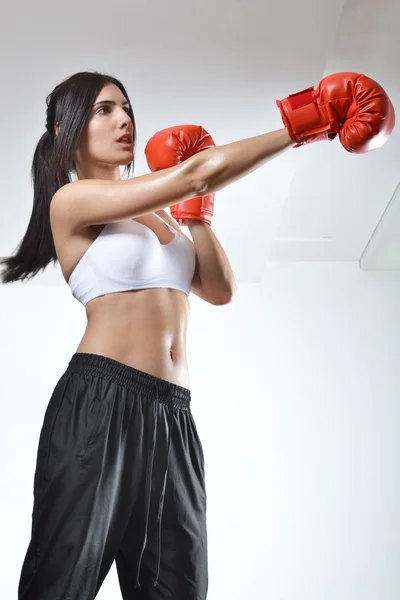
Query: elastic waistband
{"type": "Point", "coordinates": [138, 381]}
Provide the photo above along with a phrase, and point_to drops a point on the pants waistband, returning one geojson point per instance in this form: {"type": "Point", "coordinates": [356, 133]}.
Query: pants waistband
{"type": "Point", "coordinates": [139, 381]}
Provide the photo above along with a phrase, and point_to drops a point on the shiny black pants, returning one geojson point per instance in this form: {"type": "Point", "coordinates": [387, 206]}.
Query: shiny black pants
{"type": "Point", "coordinates": [119, 476]}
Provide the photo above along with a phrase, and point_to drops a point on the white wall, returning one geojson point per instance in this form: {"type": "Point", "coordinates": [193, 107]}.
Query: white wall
{"type": "Point", "coordinates": [296, 398]}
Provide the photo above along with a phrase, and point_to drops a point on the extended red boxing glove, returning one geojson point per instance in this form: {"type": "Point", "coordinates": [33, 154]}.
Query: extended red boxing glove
{"type": "Point", "coordinates": [349, 104]}
{"type": "Point", "coordinates": [171, 147]}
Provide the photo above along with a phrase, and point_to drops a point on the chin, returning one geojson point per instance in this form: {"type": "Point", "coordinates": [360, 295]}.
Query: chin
{"type": "Point", "coordinates": [125, 163]}
{"type": "Point", "coordinates": [128, 157]}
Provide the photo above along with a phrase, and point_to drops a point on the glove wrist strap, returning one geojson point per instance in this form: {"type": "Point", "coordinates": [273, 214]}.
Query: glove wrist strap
{"type": "Point", "coordinates": [303, 117]}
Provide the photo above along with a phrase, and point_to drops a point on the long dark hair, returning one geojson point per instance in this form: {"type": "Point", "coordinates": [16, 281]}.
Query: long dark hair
{"type": "Point", "coordinates": [70, 102]}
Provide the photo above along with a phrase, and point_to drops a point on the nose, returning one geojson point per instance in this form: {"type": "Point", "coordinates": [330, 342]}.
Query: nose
{"type": "Point", "coordinates": [124, 119]}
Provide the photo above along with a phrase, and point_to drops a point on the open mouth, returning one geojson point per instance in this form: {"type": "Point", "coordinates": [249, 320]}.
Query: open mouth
{"type": "Point", "coordinates": [126, 139]}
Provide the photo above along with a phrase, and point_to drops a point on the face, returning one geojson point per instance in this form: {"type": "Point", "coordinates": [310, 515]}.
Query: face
{"type": "Point", "coordinates": [99, 153]}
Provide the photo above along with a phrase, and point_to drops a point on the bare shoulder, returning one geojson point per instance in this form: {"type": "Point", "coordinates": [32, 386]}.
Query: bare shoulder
{"type": "Point", "coordinates": [60, 205]}
{"type": "Point", "coordinates": [70, 243]}
{"type": "Point", "coordinates": [58, 198]}
{"type": "Point", "coordinates": [62, 222]}
{"type": "Point", "coordinates": [57, 208]}
{"type": "Point", "coordinates": [83, 203]}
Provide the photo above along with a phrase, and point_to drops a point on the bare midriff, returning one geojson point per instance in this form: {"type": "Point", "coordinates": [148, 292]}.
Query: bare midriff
{"type": "Point", "coordinates": [144, 329]}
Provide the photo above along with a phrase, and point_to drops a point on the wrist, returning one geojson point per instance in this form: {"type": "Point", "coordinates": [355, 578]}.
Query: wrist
{"type": "Point", "coordinates": [195, 222]}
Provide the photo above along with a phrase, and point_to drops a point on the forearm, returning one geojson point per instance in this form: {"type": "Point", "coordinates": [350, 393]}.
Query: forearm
{"type": "Point", "coordinates": [214, 269]}
{"type": "Point", "coordinates": [220, 166]}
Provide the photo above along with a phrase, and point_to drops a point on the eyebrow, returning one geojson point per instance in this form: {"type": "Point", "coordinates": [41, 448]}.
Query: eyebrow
{"type": "Point", "coordinates": [108, 102]}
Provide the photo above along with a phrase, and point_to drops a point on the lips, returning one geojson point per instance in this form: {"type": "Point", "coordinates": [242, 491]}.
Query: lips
{"type": "Point", "coordinates": [127, 139]}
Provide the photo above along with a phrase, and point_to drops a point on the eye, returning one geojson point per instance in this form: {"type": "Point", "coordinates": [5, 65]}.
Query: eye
{"type": "Point", "coordinates": [107, 108]}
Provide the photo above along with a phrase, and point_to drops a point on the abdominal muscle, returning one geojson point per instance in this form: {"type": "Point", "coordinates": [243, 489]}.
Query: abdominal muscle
{"type": "Point", "coordinates": [144, 329]}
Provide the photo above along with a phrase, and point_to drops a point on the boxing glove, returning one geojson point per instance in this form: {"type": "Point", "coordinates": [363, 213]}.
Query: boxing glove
{"type": "Point", "coordinates": [349, 104]}
{"type": "Point", "coordinates": [171, 147]}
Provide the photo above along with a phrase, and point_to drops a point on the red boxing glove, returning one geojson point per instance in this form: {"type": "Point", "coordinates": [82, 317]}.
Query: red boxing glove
{"type": "Point", "coordinates": [349, 104]}
{"type": "Point", "coordinates": [171, 147]}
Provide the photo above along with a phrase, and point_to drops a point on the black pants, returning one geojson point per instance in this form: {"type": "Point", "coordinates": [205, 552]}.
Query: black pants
{"type": "Point", "coordinates": [119, 476]}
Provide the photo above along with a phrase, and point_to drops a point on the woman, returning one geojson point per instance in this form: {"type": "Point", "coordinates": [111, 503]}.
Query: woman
{"type": "Point", "coordinates": [120, 466]}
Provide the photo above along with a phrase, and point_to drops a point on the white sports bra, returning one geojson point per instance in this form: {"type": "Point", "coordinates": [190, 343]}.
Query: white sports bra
{"type": "Point", "coordinates": [128, 255]}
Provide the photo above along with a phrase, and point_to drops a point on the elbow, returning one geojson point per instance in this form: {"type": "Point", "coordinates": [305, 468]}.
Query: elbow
{"type": "Point", "coordinates": [201, 174]}
{"type": "Point", "coordinates": [223, 300]}
{"type": "Point", "coordinates": [226, 295]}
{"type": "Point", "coordinates": [200, 185]}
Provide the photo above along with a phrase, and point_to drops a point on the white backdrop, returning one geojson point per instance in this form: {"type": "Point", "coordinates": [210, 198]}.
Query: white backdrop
{"type": "Point", "coordinates": [296, 397]}
{"type": "Point", "coordinates": [295, 385]}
